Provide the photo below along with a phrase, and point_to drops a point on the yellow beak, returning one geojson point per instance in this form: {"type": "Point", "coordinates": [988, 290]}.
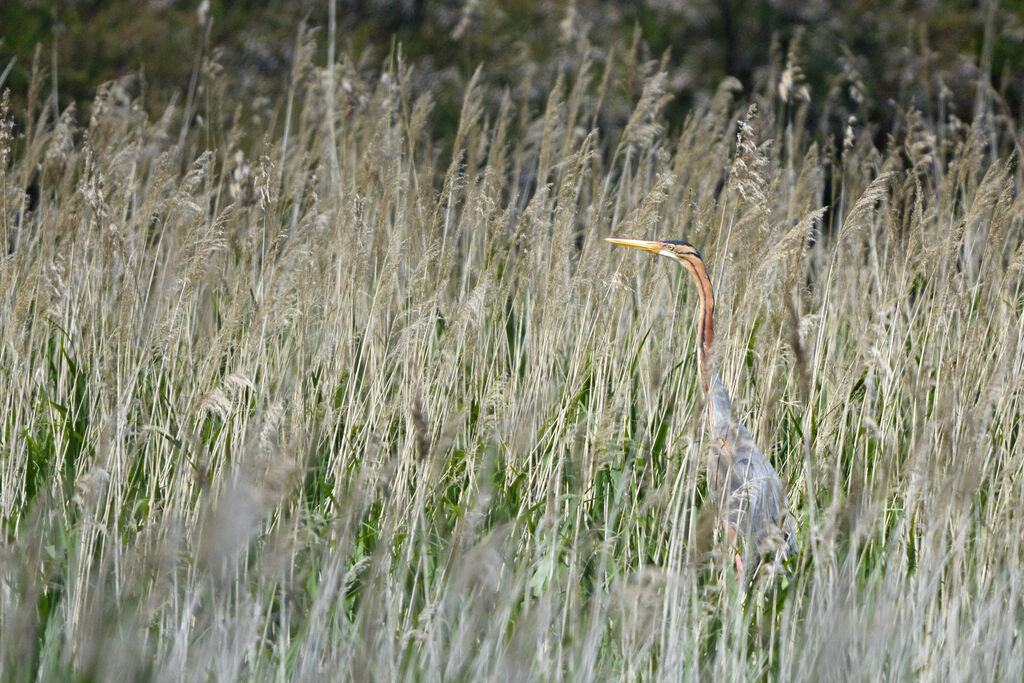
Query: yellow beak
{"type": "Point", "coordinates": [646, 245]}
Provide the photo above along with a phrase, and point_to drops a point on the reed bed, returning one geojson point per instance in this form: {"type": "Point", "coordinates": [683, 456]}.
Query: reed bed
{"type": "Point", "coordinates": [314, 394]}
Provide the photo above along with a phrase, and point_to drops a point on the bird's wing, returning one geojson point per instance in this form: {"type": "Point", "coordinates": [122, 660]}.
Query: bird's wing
{"type": "Point", "coordinates": [749, 492]}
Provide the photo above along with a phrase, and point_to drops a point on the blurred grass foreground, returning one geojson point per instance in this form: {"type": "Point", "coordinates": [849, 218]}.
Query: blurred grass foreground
{"type": "Point", "coordinates": [344, 383]}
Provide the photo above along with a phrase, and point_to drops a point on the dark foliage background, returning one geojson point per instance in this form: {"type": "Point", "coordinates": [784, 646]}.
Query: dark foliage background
{"type": "Point", "coordinates": [873, 60]}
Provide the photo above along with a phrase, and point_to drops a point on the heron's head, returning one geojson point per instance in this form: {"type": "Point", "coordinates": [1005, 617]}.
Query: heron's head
{"type": "Point", "coordinates": [686, 255]}
{"type": "Point", "coordinates": [678, 251]}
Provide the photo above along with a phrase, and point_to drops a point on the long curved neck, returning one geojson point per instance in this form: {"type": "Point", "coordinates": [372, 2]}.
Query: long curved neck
{"type": "Point", "coordinates": [706, 333]}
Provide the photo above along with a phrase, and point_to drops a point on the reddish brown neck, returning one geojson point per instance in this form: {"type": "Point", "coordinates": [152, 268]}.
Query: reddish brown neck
{"type": "Point", "coordinates": [706, 333]}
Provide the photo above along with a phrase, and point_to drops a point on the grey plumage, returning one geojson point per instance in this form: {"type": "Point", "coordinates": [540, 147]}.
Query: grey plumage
{"type": "Point", "coordinates": [744, 484]}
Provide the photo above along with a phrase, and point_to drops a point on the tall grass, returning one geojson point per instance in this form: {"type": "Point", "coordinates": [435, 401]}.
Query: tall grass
{"type": "Point", "coordinates": [337, 404]}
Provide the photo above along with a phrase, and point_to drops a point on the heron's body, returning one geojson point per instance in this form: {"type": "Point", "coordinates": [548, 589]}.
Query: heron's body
{"type": "Point", "coordinates": [750, 496]}
{"type": "Point", "coordinates": [747, 490]}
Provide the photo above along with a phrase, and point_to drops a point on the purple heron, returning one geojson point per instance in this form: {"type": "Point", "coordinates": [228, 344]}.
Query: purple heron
{"type": "Point", "coordinates": [743, 483]}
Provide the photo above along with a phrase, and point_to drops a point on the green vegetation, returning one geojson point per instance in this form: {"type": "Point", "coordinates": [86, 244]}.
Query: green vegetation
{"type": "Point", "coordinates": [858, 58]}
{"type": "Point", "coordinates": [324, 391]}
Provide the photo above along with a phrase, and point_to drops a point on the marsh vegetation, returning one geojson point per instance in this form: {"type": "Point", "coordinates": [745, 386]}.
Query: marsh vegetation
{"type": "Point", "coordinates": [317, 394]}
